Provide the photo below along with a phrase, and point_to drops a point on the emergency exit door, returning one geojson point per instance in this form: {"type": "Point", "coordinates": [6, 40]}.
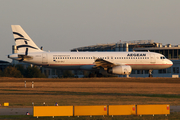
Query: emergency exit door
{"type": "Point", "coordinates": [152, 58]}
{"type": "Point", "coordinates": [44, 58]}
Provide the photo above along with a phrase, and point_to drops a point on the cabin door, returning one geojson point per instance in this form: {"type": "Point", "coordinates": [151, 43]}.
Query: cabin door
{"type": "Point", "coordinates": [152, 58]}
{"type": "Point", "coordinates": [44, 58]}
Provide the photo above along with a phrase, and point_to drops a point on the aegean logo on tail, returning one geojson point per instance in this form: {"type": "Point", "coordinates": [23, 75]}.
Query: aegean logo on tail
{"type": "Point", "coordinates": [21, 37]}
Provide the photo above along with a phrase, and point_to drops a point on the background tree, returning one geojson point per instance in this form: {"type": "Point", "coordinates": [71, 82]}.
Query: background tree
{"type": "Point", "coordinates": [1, 73]}
{"type": "Point", "coordinates": [33, 72]}
{"type": "Point", "coordinates": [12, 72]}
{"type": "Point", "coordinates": [67, 73]}
{"type": "Point", "coordinates": [21, 69]}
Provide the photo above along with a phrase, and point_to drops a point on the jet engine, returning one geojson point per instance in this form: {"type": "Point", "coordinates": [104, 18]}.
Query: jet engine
{"type": "Point", "coordinates": [120, 70]}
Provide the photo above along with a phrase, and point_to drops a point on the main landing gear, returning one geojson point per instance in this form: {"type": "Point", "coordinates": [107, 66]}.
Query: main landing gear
{"type": "Point", "coordinates": [98, 74]}
{"type": "Point", "coordinates": [150, 73]}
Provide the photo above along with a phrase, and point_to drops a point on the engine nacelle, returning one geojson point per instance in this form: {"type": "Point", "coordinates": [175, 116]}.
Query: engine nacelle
{"type": "Point", "coordinates": [120, 70]}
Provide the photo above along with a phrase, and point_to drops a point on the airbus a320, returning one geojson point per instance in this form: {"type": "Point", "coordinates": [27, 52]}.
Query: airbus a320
{"type": "Point", "coordinates": [120, 63]}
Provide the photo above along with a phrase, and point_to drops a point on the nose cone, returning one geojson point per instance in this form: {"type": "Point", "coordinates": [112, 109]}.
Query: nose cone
{"type": "Point", "coordinates": [170, 63]}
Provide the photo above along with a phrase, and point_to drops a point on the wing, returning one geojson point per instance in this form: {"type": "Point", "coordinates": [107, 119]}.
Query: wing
{"type": "Point", "coordinates": [104, 64]}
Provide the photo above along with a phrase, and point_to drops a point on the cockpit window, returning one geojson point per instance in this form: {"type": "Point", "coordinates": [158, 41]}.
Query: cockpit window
{"type": "Point", "coordinates": [162, 57]}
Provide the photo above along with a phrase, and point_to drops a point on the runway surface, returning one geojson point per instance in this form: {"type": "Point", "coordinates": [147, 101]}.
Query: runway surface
{"type": "Point", "coordinates": [16, 111]}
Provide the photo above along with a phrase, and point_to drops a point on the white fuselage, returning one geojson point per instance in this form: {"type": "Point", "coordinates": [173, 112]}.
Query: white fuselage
{"type": "Point", "coordinates": [85, 60]}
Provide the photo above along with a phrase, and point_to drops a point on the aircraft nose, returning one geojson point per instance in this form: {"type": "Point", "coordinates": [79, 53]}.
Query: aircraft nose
{"type": "Point", "coordinates": [170, 63]}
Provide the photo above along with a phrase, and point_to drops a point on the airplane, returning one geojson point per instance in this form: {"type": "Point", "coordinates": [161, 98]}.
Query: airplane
{"type": "Point", "coordinates": [120, 63]}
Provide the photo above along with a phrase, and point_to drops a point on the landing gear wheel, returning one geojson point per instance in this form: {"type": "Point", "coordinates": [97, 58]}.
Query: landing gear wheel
{"type": "Point", "coordinates": [150, 73]}
{"type": "Point", "coordinates": [91, 75]}
{"type": "Point", "coordinates": [98, 74]}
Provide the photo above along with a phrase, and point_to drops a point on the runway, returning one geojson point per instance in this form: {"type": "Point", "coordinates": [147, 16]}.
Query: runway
{"type": "Point", "coordinates": [15, 111]}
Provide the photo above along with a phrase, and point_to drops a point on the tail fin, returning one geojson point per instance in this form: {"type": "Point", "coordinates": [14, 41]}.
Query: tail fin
{"type": "Point", "coordinates": [23, 42]}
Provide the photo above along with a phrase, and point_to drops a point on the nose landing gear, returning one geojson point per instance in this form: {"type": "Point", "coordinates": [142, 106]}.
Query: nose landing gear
{"type": "Point", "coordinates": [150, 73]}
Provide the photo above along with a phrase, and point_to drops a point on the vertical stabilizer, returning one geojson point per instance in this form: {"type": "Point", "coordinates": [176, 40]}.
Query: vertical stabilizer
{"type": "Point", "coordinates": [23, 42]}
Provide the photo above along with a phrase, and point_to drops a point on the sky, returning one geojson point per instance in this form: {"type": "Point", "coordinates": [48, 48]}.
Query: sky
{"type": "Point", "coordinates": [61, 25]}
